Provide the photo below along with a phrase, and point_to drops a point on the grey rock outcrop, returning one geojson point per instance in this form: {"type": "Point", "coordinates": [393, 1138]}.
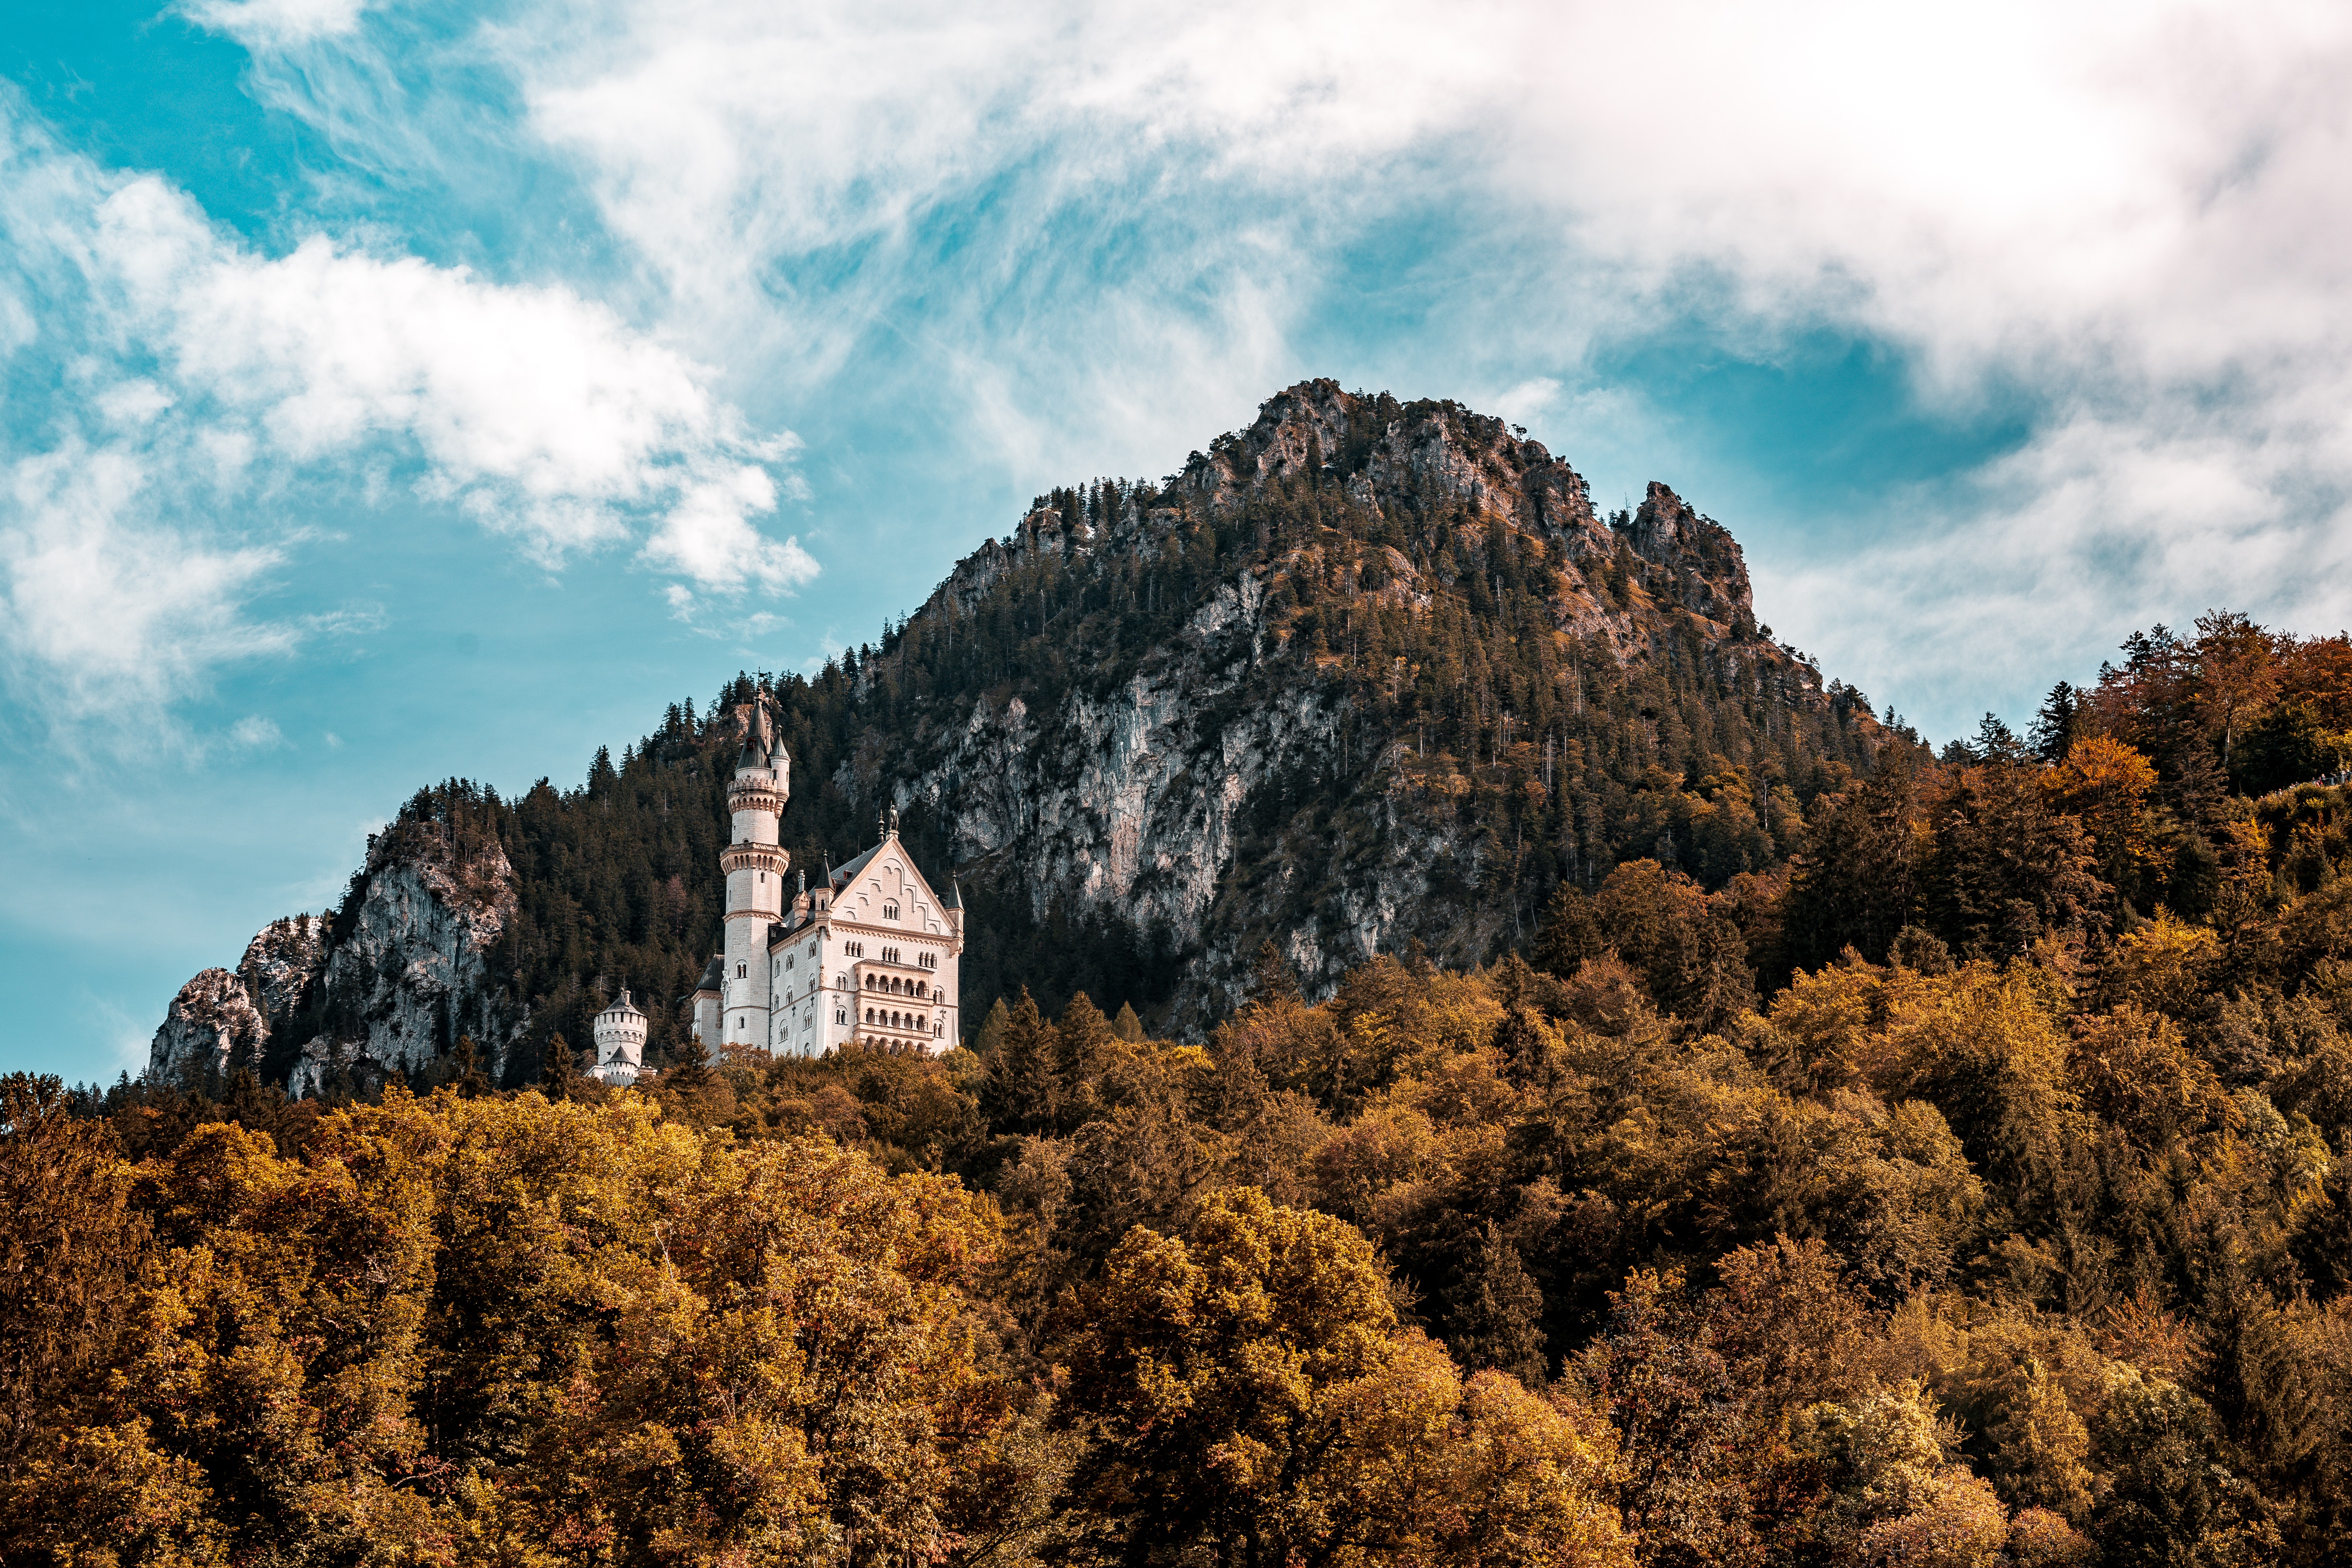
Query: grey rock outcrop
{"type": "Point", "coordinates": [407, 979]}
{"type": "Point", "coordinates": [211, 1025]}
{"type": "Point", "coordinates": [283, 961]}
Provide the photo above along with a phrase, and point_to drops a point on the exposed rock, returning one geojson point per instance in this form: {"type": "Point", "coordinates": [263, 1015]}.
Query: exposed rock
{"type": "Point", "coordinates": [408, 977]}
{"type": "Point", "coordinates": [283, 961]}
{"type": "Point", "coordinates": [211, 1023]}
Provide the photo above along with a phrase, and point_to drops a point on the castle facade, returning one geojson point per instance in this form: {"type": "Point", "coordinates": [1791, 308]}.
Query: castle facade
{"type": "Point", "coordinates": [869, 956]}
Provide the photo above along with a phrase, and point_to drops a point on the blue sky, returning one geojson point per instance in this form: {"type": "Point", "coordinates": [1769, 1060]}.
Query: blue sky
{"type": "Point", "coordinates": [391, 391]}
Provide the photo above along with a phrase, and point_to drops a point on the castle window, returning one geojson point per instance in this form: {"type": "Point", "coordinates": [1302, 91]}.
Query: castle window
{"type": "Point", "coordinates": [841, 1014]}
{"type": "Point", "coordinates": [889, 911]}
{"type": "Point", "coordinates": [812, 950]}
{"type": "Point", "coordinates": [842, 981]}
{"type": "Point", "coordinates": [742, 972]}
{"type": "Point", "coordinates": [788, 961]}
{"type": "Point", "coordinates": [920, 988]}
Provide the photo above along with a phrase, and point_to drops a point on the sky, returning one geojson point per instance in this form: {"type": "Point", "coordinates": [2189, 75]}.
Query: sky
{"type": "Point", "coordinates": [396, 390]}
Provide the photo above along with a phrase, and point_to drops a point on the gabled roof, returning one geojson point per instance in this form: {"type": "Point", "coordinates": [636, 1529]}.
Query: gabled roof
{"type": "Point", "coordinates": [843, 875]}
{"type": "Point", "coordinates": [713, 973]}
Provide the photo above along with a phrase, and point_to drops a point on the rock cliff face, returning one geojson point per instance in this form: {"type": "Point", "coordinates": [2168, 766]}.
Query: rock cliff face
{"type": "Point", "coordinates": [392, 991]}
{"type": "Point", "coordinates": [406, 979]}
{"type": "Point", "coordinates": [224, 1019]}
{"type": "Point", "coordinates": [211, 1023]}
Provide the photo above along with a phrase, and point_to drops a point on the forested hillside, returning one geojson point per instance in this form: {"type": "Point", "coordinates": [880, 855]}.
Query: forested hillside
{"type": "Point", "coordinates": [1365, 675]}
{"type": "Point", "coordinates": [1973, 1189]}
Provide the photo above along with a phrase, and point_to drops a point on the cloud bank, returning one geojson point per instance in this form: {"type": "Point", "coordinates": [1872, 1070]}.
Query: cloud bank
{"type": "Point", "coordinates": [191, 380]}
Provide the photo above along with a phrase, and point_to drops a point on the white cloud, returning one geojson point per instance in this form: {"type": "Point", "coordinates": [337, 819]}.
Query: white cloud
{"type": "Point", "coordinates": [256, 732]}
{"type": "Point", "coordinates": [215, 377]}
{"type": "Point", "coordinates": [1106, 228]}
{"type": "Point", "coordinates": [105, 604]}
{"type": "Point", "coordinates": [276, 24]}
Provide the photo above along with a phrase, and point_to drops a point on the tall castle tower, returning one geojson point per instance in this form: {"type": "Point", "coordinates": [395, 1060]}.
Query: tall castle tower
{"type": "Point", "coordinates": [755, 863]}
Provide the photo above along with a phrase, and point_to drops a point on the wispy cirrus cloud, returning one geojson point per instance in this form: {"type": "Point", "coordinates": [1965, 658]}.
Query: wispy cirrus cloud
{"type": "Point", "coordinates": [1108, 228]}
{"type": "Point", "coordinates": [194, 382]}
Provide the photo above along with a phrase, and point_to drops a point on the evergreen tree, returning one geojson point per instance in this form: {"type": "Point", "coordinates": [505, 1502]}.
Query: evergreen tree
{"type": "Point", "coordinates": [2057, 725]}
{"type": "Point", "coordinates": [558, 1072]}
{"type": "Point", "coordinates": [1021, 1090]}
{"type": "Point", "coordinates": [1498, 1317]}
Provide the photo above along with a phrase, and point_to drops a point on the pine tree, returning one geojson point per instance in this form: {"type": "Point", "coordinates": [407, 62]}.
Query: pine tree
{"type": "Point", "coordinates": [1497, 1320]}
{"type": "Point", "coordinates": [1126, 1026]}
{"type": "Point", "coordinates": [558, 1074]}
{"type": "Point", "coordinates": [1021, 1090]}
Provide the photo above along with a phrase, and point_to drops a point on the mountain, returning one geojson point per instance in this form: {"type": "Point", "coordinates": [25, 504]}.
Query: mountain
{"type": "Point", "coordinates": [1365, 675]}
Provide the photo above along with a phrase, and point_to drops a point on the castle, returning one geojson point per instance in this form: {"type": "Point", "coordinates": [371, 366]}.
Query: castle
{"type": "Point", "coordinates": [869, 957]}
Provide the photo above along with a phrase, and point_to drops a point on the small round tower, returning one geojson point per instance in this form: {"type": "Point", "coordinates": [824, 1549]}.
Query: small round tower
{"type": "Point", "coordinates": [620, 1042]}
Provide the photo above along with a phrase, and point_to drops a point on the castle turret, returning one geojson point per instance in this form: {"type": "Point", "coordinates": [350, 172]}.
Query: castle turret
{"type": "Point", "coordinates": [620, 1042]}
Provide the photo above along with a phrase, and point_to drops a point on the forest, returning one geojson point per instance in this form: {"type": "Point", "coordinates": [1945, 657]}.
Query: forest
{"type": "Point", "coordinates": [1971, 1187]}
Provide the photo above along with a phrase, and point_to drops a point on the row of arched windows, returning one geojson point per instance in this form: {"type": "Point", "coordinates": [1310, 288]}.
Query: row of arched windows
{"type": "Point", "coordinates": [883, 1018]}
{"type": "Point", "coordinates": [897, 987]}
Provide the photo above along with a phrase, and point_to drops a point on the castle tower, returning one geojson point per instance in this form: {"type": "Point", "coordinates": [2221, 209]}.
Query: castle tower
{"type": "Point", "coordinates": [620, 1042]}
{"type": "Point", "coordinates": [755, 864]}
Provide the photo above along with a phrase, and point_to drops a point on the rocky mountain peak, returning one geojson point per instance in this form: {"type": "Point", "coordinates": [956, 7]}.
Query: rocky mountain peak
{"type": "Point", "coordinates": [1692, 561]}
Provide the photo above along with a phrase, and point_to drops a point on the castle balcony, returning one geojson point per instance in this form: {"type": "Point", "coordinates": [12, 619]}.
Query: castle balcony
{"type": "Point", "coordinates": [898, 1032]}
{"type": "Point", "coordinates": [750, 857]}
{"type": "Point", "coordinates": [907, 980]}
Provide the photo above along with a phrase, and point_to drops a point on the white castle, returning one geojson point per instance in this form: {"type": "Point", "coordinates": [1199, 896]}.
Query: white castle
{"type": "Point", "coordinates": [868, 958]}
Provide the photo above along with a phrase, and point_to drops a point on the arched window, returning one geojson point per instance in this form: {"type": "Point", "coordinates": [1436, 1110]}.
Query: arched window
{"type": "Point", "coordinates": [921, 989]}
{"type": "Point", "coordinates": [742, 972]}
{"type": "Point", "coordinates": [788, 961]}
{"type": "Point", "coordinates": [841, 1014]}
{"type": "Point", "coordinates": [889, 911]}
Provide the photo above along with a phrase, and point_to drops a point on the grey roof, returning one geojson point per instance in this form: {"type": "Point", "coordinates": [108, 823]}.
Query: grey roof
{"type": "Point", "coordinates": [626, 1006]}
{"type": "Point", "coordinates": [954, 898]}
{"type": "Point", "coordinates": [844, 874]}
{"type": "Point", "coordinates": [714, 973]}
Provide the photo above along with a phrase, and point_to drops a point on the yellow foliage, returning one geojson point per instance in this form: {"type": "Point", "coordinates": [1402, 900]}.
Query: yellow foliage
{"type": "Point", "coordinates": [2160, 963]}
